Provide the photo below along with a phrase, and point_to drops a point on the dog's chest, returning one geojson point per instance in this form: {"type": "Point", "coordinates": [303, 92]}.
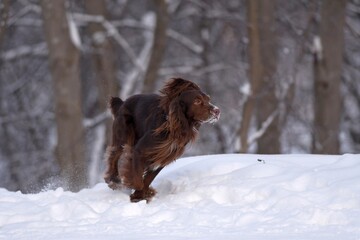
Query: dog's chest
{"type": "Point", "coordinates": [168, 152]}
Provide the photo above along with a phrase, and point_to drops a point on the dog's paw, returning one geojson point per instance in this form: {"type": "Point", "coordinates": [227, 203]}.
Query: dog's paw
{"type": "Point", "coordinates": [150, 193]}
{"type": "Point", "coordinates": [115, 185]}
{"type": "Point", "coordinates": [113, 182]}
{"type": "Point", "coordinates": [140, 195]}
{"type": "Point", "coordinates": [111, 178]}
{"type": "Point", "coordinates": [137, 196]}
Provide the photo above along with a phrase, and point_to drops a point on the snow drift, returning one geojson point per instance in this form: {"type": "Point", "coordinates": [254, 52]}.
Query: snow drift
{"type": "Point", "coordinates": [208, 197]}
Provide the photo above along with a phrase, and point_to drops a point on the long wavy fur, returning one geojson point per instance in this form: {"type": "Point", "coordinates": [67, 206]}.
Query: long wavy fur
{"type": "Point", "coordinates": [177, 129]}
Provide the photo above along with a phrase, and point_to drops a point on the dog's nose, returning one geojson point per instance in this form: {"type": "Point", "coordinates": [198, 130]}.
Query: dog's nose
{"type": "Point", "coordinates": [216, 111]}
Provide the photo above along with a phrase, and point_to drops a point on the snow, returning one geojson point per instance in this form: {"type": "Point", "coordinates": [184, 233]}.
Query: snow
{"type": "Point", "coordinates": [229, 196]}
{"type": "Point", "coordinates": [317, 48]}
{"type": "Point", "coordinates": [245, 89]}
{"type": "Point", "coordinates": [74, 33]}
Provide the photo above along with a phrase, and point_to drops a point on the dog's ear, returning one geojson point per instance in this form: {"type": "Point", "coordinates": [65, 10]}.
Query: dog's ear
{"type": "Point", "coordinates": [178, 123]}
{"type": "Point", "coordinates": [173, 88]}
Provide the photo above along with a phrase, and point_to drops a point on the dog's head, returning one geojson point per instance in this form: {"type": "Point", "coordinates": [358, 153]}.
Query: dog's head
{"type": "Point", "coordinates": [197, 107]}
{"type": "Point", "coordinates": [186, 97]}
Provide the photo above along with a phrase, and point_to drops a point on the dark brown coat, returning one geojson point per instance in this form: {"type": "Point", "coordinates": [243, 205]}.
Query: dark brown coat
{"type": "Point", "coordinates": [150, 131]}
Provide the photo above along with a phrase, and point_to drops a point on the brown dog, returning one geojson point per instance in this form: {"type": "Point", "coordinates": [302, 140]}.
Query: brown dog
{"type": "Point", "coordinates": [150, 131]}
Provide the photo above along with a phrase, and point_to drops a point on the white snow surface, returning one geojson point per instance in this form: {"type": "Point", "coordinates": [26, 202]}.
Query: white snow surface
{"type": "Point", "coordinates": [232, 196]}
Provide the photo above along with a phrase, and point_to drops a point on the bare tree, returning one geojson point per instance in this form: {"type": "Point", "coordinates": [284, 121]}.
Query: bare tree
{"type": "Point", "coordinates": [103, 58]}
{"type": "Point", "coordinates": [205, 55]}
{"type": "Point", "coordinates": [159, 45]}
{"type": "Point", "coordinates": [328, 60]}
{"type": "Point", "coordinates": [4, 15]}
{"type": "Point", "coordinates": [13, 182]}
{"type": "Point", "coordinates": [262, 57]}
{"type": "Point", "coordinates": [64, 66]}
{"type": "Point", "coordinates": [255, 70]}
{"type": "Point", "coordinates": [267, 103]}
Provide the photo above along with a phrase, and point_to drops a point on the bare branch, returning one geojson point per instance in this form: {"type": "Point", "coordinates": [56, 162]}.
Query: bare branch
{"type": "Point", "coordinates": [123, 43]}
{"type": "Point", "coordinates": [112, 31]}
{"type": "Point", "coordinates": [177, 69]}
{"type": "Point", "coordinates": [264, 126]}
{"type": "Point", "coordinates": [186, 42]}
{"type": "Point", "coordinates": [353, 31]}
{"type": "Point", "coordinates": [27, 115]}
{"type": "Point", "coordinates": [194, 70]}
{"type": "Point", "coordinates": [37, 50]}
{"type": "Point", "coordinates": [176, 36]}
{"type": "Point", "coordinates": [95, 121]}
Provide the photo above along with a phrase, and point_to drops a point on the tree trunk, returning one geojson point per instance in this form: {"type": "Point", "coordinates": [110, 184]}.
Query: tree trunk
{"type": "Point", "coordinates": [104, 59]}
{"type": "Point", "coordinates": [64, 66]}
{"type": "Point", "coordinates": [262, 68]}
{"type": "Point", "coordinates": [205, 29]}
{"type": "Point", "coordinates": [104, 62]}
{"type": "Point", "coordinates": [103, 54]}
{"type": "Point", "coordinates": [267, 102]}
{"type": "Point", "coordinates": [13, 184]}
{"type": "Point", "coordinates": [328, 60]}
{"type": "Point", "coordinates": [159, 45]}
{"type": "Point", "coordinates": [254, 72]}
{"type": "Point", "coordinates": [4, 15]}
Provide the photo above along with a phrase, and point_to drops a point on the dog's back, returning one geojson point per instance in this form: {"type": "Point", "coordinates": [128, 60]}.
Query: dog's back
{"type": "Point", "coordinates": [143, 113]}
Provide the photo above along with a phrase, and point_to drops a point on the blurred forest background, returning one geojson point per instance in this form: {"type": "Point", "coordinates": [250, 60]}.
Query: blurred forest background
{"type": "Point", "coordinates": [285, 74]}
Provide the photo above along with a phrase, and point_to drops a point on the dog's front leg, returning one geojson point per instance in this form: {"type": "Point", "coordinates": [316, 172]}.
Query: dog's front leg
{"type": "Point", "coordinates": [137, 171]}
{"type": "Point", "coordinates": [147, 193]}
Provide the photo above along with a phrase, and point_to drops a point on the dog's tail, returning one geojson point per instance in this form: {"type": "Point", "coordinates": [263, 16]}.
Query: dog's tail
{"type": "Point", "coordinates": [115, 104]}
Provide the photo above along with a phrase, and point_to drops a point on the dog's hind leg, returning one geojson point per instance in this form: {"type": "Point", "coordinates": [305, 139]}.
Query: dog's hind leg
{"type": "Point", "coordinates": [122, 134]}
{"type": "Point", "coordinates": [131, 169]}
{"type": "Point", "coordinates": [112, 175]}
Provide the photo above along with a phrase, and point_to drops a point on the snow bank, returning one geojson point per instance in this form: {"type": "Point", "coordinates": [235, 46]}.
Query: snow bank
{"type": "Point", "coordinates": [207, 197]}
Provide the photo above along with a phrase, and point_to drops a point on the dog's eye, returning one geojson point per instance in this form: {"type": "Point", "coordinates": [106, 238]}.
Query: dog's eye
{"type": "Point", "coordinates": [197, 101]}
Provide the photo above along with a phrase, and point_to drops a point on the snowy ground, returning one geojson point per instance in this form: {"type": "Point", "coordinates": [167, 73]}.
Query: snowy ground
{"type": "Point", "coordinates": [208, 197]}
